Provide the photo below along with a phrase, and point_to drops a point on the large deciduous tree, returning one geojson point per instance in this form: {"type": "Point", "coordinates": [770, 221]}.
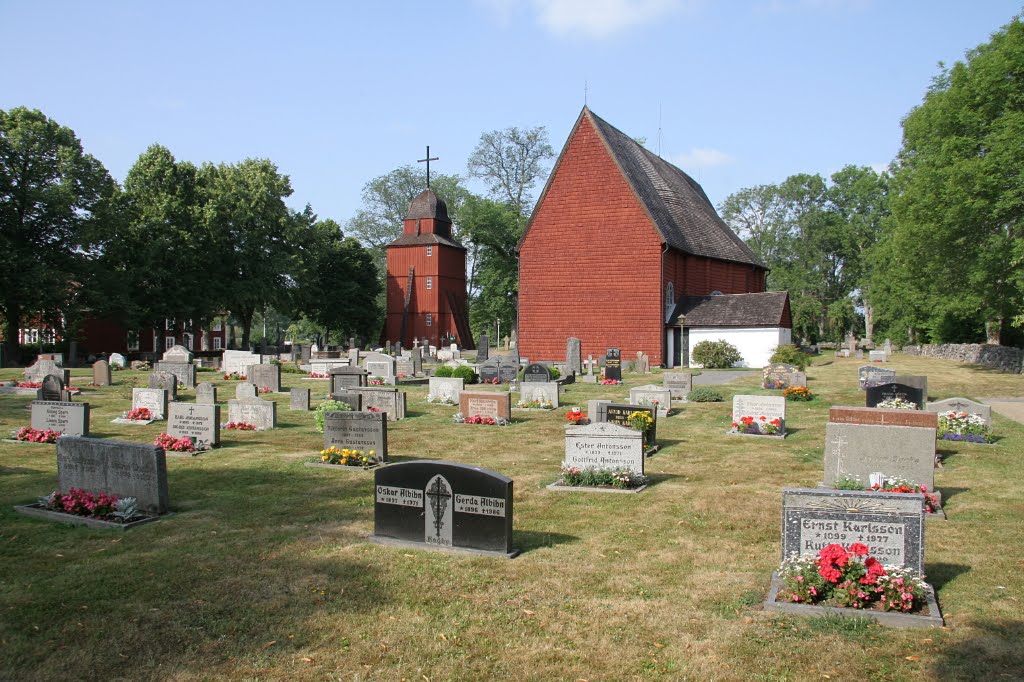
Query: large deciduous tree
{"type": "Point", "coordinates": [512, 162]}
{"type": "Point", "coordinates": [52, 198]}
{"type": "Point", "coordinates": [960, 196]}
{"type": "Point", "coordinates": [494, 228]}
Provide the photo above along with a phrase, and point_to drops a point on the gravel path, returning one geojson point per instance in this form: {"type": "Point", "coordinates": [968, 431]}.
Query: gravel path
{"type": "Point", "coordinates": [710, 377]}
{"type": "Point", "coordinates": [1012, 408]}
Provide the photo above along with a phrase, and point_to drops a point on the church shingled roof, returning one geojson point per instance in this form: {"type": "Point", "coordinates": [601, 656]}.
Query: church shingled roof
{"type": "Point", "coordinates": [764, 309]}
{"type": "Point", "coordinates": [678, 205]}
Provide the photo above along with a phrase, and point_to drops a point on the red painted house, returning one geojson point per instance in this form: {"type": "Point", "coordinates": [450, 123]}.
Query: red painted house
{"type": "Point", "coordinates": [426, 278]}
{"type": "Point", "coordinates": [618, 238]}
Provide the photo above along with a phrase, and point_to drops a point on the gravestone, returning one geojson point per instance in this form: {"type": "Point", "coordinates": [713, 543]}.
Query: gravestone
{"type": "Point", "coordinates": [536, 372]}
{"type": "Point", "coordinates": [777, 375]}
{"type": "Point", "coordinates": [404, 367]}
{"type": "Point", "coordinates": [245, 391]}
{"type": "Point", "coordinates": [501, 368]}
{"type": "Point", "coordinates": [798, 379]}
{"type": "Point", "coordinates": [757, 406]}
{"type": "Point", "coordinates": [68, 418]}
{"type": "Point", "coordinates": [872, 376]}
{"type": "Point", "coordinates": [238, 361]}
{"type": "Point", "coordinates": [887, 347]}
{"type": "Point", "coordinates": [417, 360]}
{"type": "Point", "coordinates": [480, 404]}
{"type": "Point", "coordinates": [52, 389]}
{"type": "Point", "coordinates": [352, 343]}
{"type": "Point", "coordinates": [353, 357]}
{"type": "Point", "coordinates": [166, 381]}
{"type": "Point", "coordinates": [184, 372]}
{"type": "Point", "coordinates": [613, 364]}
{"type": "Point", "coordinates": [177, 353]}
{"type": "Point", "coordinates": [350, 398]}
{"type": "Point", "coordinates": [118, 360]}
{"type": "Point", "coordinates": [305, 353]}
{"type": "Point", "coordinates": [299, 399]}
{"type": "Point", "coordinates": [101, 373]}
{"type": "Point", "coordinates": [851, 343]}
{"type": "Point", "coordinates": [266, 376]}
{"type": "Point", "coordinates": [604, 446]}
{"type": "Point", "coordinates": [483, 348]}
{"type": "Point", "coordinates": [37, 372]}
{"type": "Point", "coordinates": [447, 388]}
{"type": "Point", "coordinates": [618, 413]}
{"type": "Point", "coordinates": [877, 356]}
{"type": "Point", "coordinates": [858, 450]}
{"type": "Point", "coordinates": [597, 410]}
{"type": "Point", "coordinates": [443, 505]}
{"type": "Point", "coordinates": [652, 394]}
{"type": "Point", "coordinates": [116, 468]}
{"type": "Point", "coordinates": [539, 390]}
{"type": "Point", "coordinates": [590, 377]}
{"type": "Point", "coordinates": [390, 401]}
{"type": "Point", "coordinates": [363, 431]}
{"type": "Point", "coordinates": [260, 413]}
{"type": "Point", "coordinates": [882, 416]}
{"type": "Point", "coordinates": [859, 355]}
{"type": "Point", "coordinates": [324, 367]}
{"type": "Point", "coordinates": [962, 405]}
{"type": "Point", "coordinates": [573, 356]}
{"type": "Point", "coordinates": [892, 390]}
{"type": "Point", "coordinates": [917, 381]}
{"type": "Point", "coordinates": [380, 365]}
{"type": "Point", "coordinates": [343, 378]}
{"type": "Point", "coordinates": [200, 422]}
{"type": "Point", "coordinates": [206, 393]}
{"type": "Point", "coordinates": [153, 399]}
{"type": "Point", "coordinates": [679, 384]}
{"type": "Point", "coordinates": [891, 525]}
{"type": "Point", "coordinates": [643, 363]}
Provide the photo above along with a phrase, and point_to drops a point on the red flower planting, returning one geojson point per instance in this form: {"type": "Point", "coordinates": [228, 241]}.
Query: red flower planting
{"type": "Point", "coordinates": [27, 433]}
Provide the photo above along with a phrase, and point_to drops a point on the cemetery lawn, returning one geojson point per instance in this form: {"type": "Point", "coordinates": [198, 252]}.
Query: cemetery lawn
{"type": "Point", "coordinates": [264, 570]}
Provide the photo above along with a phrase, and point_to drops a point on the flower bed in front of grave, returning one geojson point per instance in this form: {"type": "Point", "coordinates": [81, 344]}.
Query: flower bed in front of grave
{"type": "Point", "coordinates": [97, 510]}
{"type": "Point", "coordinates": [347, 458]}
{"type": "Point", "coordinates": [847, 581]}
{"type": "Point", "coordinates": [897, 404]}
{"type": "Point", "coordinates": [235, 376]}
{"type": "Point", "coordinates": [758, 426]}
{"type": "Point", "coordinates": [240, 426]}
{"type": "Point", "coordinates": [440, 400]}
{"type": "Point", "coordinates": [138, 415]}
{"type": "Point", "coordinates": [536, 404]}
{"type": "Point", "coordinates": [459, 418]}
{"type": "Point", "coordinates": [798, 393]}
{"type": "Point", "coordinates": [375, 381]}
{"type": "Point", "coordinates": [963, 426]}
{"type": "Point", "coordinates": [317, 375]}
{"type": "Point", "coordinates": [932, 500]}
{"type": "Point", "coordinates": [600, 480]}
{"type": "Point", "coordinates": [575, 417]}
{"type": "Point", "coordinates": [27, 434]}
{"type": "Point", "coordinates": [183, 445]}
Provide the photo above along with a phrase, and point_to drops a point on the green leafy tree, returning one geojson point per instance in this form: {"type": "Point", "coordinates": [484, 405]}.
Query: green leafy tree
{"type": "Point", "coordinates": [494, 229]}
{"type": "Point", "coordinates": [512, 162]}
{"type": "Point", "coordinates": [53, 197]}
{"type": "Point", "coordinates": [959, 196]}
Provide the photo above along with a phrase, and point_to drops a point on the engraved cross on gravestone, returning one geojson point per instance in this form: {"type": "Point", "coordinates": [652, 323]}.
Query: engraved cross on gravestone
{"type": "Point", "coordinates": [439, 494]}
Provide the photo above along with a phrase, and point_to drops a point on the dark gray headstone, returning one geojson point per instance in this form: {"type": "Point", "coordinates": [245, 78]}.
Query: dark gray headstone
{"type": "Point", "coordinates": [443, 505]}
{"type": "Point", "coordinates": [185, 372]}
{"type": "Point", "coordinates": [116, 468]}
{"type": "Point", "coordinates": [573, 356]}
{"type": "Point", "coordinates": [266, 376]}
{"type": "Point", "coordinates": [350, 398]}
{"type": "Point", "coordinates": [101, 373]}
{"type": "Point", "coordinates": [869, 375]}
{"type": "Point", "coordinates": [260, 413]}
{"type": "Point", "coordinates": [536, 372]}
{"type": "Point", "coordinates": [390, 401]}
{"type": "Point", "coordinates": [153, 399]}
{"type": "Point", "coordinates": [166, 381]}
{"type": "Point", "coordinates": [68, 418]}
{"type": "Point", "coordinates": [777, 375]}
{"type": "Point", "coordinates": [299, 399]}
{"type": "Point", "coordinates": [343, 378]}
{"type": "Point", "coordinates": [52, 388]}
{"type": "Point", "coordinates": [503, 369]}
{"type": "Point", "coordinates": [613, 364]}
{"type": "Point", "coordinates": [891, 525]}
{"type": "Point", "coordinates": [200, 422]}
{"type": "Point", "coordinates": [888, 391]}
{"type": "Point", "coordinates": [483, 348]}
{"type": "Point", "coordinates": [206, 393]}
{"type": "Point", "coordinates": [618, 413]}
{"type": "Point", "coordinates": [357, 431]}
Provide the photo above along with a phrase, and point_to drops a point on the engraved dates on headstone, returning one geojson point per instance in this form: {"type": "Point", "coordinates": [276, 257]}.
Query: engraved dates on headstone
{"type": "Point", "coordinates": [604, 446]}
{"type": "Point", "coordinates": [68, 418]}
{"type": "Point", "coordinates": [116, 468]}
{"type": "Point", "coordinates": [153, 399]}
{"type": "Point", "coordinates": [362, 431]}
{"type": "Point", "coordinates": [200, 422]}
{"type": "Point", "coordinates": [613, 364]}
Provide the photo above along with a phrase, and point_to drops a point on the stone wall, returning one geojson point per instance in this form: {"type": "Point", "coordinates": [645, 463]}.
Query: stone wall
{"type": "Point", "coordinates": [1003, 358]}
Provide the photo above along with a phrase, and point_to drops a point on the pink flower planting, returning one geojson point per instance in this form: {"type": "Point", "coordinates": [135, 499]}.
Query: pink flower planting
{"type": "Point", "coordinates": [28, 434]}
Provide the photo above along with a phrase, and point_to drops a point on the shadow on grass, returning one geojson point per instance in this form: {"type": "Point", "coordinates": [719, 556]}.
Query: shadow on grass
{"type": "Point", "coordinates": [529, 540]}
{"type": "Point", "coordinates": [940, 575]}
{"type": "Point", "coordinates": [948, 493]}
{"type": "Point", "coordinates": [993, 651]}
{"type": "Point", "coordinates": [655, 479]}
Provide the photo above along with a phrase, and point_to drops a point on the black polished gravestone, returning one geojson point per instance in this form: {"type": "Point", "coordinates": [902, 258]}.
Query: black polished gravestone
{"type": "Point", "coordinates": [613, 364]}
{"type": "Point", "coordinates": [501, 368]}
{"type": "Point", "coordinates": [618, 413]}
{"type": "Point", "coordinates": [536, 372]}
{"type": "Point", "coordinates": [888, 391]}
{"type": "Point", "coordinates": [483, 348]}
{"type": "Point", "coordinates": [446, 506]}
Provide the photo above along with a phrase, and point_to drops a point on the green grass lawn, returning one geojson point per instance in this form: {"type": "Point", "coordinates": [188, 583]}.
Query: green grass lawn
{"type": "Point", "coordinates": [264, 571]}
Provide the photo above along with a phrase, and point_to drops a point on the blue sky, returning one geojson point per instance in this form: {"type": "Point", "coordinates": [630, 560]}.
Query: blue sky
{"type": "Point", "coordinates": [336, 93]}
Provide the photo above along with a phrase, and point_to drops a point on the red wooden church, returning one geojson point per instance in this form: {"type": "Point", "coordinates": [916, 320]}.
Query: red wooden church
{"type": "Point", "coordinates": [426, 282]}
{"type": "Point", "coordinates": [618, 239]}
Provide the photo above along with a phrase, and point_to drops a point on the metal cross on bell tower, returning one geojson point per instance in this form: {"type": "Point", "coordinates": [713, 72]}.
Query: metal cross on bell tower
{"type": "Point", "coordinates": [428, 160]}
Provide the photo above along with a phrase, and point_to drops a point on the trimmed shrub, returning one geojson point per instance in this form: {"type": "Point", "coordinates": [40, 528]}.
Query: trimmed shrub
{"type": "Point", "coordinates": [443, 371]}
{"type": "Point", "coordinates": [704, 394]}
{"type": "Point", "coordinates": [328, 406]}
{"type": "Point", "coordinates": [792, 355]}
{"type": "Point", "coordinates": [716, 354]}
{"type": "Point", "coordinates": [464, 372]}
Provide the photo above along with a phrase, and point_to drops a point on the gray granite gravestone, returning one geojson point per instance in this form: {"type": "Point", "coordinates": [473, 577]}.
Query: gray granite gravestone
{"type": "Point", "coordinates": [604, 446]}
{"type": "Point", "coordinates": [536, 372]}
{"type": "Point", "coordinates": [68, 418]}
{"type": "Point", "coordinates": [238, 361]}
{"type": "Point", "coordinates": [101, 373]}
{"type": "Point", "coordinates": [52, 388]}
{"type": "Point", "coordinates": [344, 378]}
{"type": "Point", "coordinates": [350, 398]}
{"type": "Point", "coordinates": [652, 394]}
{"type": "Point", "coordinates": [777, 375]}
{"type": "Point", "coordinates": [265, 376]}
{"type": "Point", "coordinates": [858, 450]}
{"type": "Point", "coordinates": [445, 506]}
{"type": "Point", "coordinates": [363, 431]}
{"type": "Point", "coordinates": [116, 468]}
{"type": "Point", "coordinates": [539, 390]}
{"type": "Point", "coordinates": [299, 399]}
{"type": "Point", "coordinates": [260, 413]}
{"type": "Point", "coordinates": [206, 393]}
{"type": "Point", "coordinates": [37, 372]}
{"type": "Point", "coordinates": [445, 388]}
{"type": "Point", "coordinates": [153, 399]}
{"type": "Point", "coordinates": [166, 381]}
{"type": "Point", "coordinates": [390, 401]}
{"type": "Point", "coordinates": [891, 525]}
{"type": "Point", "coordinates": [679, 384]}
{"type": "Point", "coordinates": [245, 391]}
{"type": "Point", "coordinates": [573, 356]}
{"type": "Point", "coordinates": [869, 375]}
{"type": "Point", "coordinates": [483, 348]}
{"type": "Point", "coordinates": [185, 372]}
{"type": "Point", "coordinates": [757, 406]}
{"type": "Point", "coordinates": [962, 405]}
{"type": "Point", "coordinates": [200, 422]}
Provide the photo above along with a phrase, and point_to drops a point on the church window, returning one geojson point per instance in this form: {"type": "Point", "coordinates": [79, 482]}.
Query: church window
{"type": "Point", "coordinates": [430, 320]}
{"type": "Point", "coordinates": [430, 283]}
{"type": "Point", "coordinates": [430, 251]}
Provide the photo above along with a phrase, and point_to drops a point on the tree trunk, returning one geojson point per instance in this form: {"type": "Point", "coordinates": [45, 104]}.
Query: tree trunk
{"type": "Point", "coordinates": [12, 354]}
{"type": "Point", "coordinates": [992, 331]}
{"type": "Point", "coordinates": [245, 317]}
{"type": "Point", "coordinates": [869, 321]}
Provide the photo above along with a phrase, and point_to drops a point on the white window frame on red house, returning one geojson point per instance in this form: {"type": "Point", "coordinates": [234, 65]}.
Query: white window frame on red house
{"type": "Point", "coordinates": [430, 251]}
{"type": "Point", "coordinates": [132, 341]}
{"type": "Point", "coordinates": [168, 342]}
{"type": "Point", "coordinates": [430, 320]}
{"type": "Point", "coordinates": [430, 283]}
{"type": "Point", "coordinates": [216, 343]}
